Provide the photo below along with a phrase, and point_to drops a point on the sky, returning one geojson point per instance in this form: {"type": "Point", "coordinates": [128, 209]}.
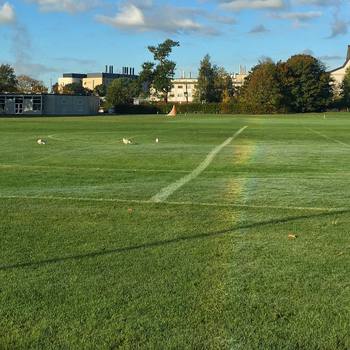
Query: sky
{"type": "Point", "coordinates": [45, 38]}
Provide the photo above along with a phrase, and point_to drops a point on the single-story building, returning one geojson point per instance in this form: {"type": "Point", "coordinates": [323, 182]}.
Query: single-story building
{"type": "Point", "coordinates": [48, 104]}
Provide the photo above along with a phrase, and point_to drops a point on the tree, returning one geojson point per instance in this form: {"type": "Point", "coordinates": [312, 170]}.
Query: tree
{"type": "Point", "coordinates": [122, 92]}
{"type": "Point", "coordinates": [55, 88]}
{"type": "Point", "coordinates": [261, 91]}
{"type": "Point", "coordinates": [345, 90]}
{"type": "Point", "coordinates": [214, 83]}
{"type": "Point", "coordinates": [75, 88]}
{"type": "Point", "coordinates": [306, 84]}
{"type": "Point", "coordinates": [8, 81]}
{"type": "Point", "coordinates": [26, 84]}
{"type": "Point", "coordinates": [205, 90]}
{"type": "Point", "coordinates": [159, 74]}
{"type": "Point", "coordinates": [100, 90]}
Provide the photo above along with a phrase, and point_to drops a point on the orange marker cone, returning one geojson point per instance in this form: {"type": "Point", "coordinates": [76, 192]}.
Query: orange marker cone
{"type": "Point", "coordinates": [172, 112]}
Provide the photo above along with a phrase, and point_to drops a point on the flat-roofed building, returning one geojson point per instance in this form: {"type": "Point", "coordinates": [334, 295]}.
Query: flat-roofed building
{"type": "Point", "coordinates": [183, 90]}
{"type": "Point", "coordinates": [48, 104]}
{"type": "Point", "coordinates": [338, 74]}
{"type": "Point", "coordinates": [70, 78]}
{"type": "Point", "coordinates": [91, 80]}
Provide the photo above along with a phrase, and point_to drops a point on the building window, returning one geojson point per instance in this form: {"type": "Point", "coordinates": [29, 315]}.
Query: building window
{"type": "Point", "coordinates": [37, 105]}
{"type": "Point", "coordinates": [180, 87]}
{"type": "Point", "coordinates": [2, 104]}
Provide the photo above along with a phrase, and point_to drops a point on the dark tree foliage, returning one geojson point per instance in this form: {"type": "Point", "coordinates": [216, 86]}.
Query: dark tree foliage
{"type": "Point", "coordinates": [345, 90]}
{"type": "Point", "coordinates": [159, 74]}
{"type": "Point", "coordinates": [8, 81]}
{"type": "Point", "coordinates": [301, 84]}
{"type": "Point", "coordinates": [75, 89]}
{"type": "Point", "coordinates": [214, 83]}
{"type": "Point", "coordinates": [306, 84]}
{"type": "Point", "coordinates": [122, 92]}
{"type": "Point", "coordinates": [100, 90]}
{"type": "Point", "coordinates": [261, 92]}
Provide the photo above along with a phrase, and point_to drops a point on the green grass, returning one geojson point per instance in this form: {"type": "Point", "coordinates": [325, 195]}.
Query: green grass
{"type": "Point", "coordinates": [88, 261]}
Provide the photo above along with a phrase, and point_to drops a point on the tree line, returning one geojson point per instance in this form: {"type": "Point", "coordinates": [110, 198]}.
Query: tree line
{"type": "Point", "coordinates": [9, 82]}
{"type": "Point", "coordinates": [300, 84]}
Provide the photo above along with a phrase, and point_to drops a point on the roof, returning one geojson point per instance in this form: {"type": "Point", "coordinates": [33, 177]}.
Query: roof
{"type": "Point", "coordinates": [74, 75]}
{"type": "Point", "coordinates": [346, 62]}
{"type": "Point", "coordinates": [109, 75]}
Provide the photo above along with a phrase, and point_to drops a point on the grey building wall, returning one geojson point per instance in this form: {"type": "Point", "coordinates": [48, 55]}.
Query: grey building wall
{"type": "Point", "coordinates": [47, 104]}
{"type": "Point", "coordinates": [70, 105]}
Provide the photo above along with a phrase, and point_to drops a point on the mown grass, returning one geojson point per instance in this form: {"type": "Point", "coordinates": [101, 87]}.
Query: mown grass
{"type": "Point", "coordinates": [88, 262]}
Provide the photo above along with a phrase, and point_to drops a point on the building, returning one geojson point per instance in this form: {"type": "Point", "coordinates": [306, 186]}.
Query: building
{"type": "Point", "coordinates": [183, 90]}
{"type": "Point", "coordinates": [48, 104]}
{"type": "Point", "coordinates": [91, 80]}
{"type": "Point", "coordinates": [238, 78]}
{"type": "Point", "coordinates": [338, 74]}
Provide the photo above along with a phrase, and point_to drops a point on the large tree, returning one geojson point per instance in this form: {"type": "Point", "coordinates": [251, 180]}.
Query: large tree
{"type": "Point", "coordinates": [75, 88]}
{"type": "Point", "coordinates": [214, 83]}
{"type": "Point", "coordinates": [306, 84]}
{"type": "Point", "coordinates": [122, 92]}
{"type": "Point", "coordinates": [205, 89]}
{"type": "Point", "coordinates": [158, 75]}
{"type": "Point", "coordinates": [345, 90]}
{"type": "Point", "coordinates": [8, 81]}
{"type": "Point", "coordinates": [261, 91]}
{"type": "Point", "coordinates": [26, 84]}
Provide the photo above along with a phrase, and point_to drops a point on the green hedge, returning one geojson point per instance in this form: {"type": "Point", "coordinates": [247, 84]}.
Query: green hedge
{"type": "Point", "coordinates": [164, 108]}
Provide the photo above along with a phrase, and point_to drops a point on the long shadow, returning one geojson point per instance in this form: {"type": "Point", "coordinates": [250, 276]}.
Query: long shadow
{"type": "Point", "coordinates": [170, 241]}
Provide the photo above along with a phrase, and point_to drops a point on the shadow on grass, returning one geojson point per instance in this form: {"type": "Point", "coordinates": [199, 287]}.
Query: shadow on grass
{"type": "Point", "coordinates": [170, 241]}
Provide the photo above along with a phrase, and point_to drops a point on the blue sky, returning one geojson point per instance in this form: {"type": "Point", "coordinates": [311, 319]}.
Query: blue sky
{"type": "Point", "coordinates": [44, 38]}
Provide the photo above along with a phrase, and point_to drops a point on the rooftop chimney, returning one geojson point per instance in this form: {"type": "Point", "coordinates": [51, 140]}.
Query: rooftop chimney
{"type": "Point", "coordinates": [348, 55]}
{"type": "Point", "coordinates": [106, 69]}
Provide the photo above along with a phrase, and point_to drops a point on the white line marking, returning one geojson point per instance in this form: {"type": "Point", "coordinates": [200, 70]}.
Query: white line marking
{"type": "Point", "coordinates": [169, 190]}
{"type": "Point", "coordinates": [329, 138]}
{"type": "Point", "coordinates": [140, 201]}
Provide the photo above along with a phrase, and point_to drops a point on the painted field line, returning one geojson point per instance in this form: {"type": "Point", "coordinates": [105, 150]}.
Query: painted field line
{"type": "Point", "coordinates": [329, 138]}
{"type": "Point", "coordinates": [169, 190]}
{"type": "Point", "coordinates": [203, 204]}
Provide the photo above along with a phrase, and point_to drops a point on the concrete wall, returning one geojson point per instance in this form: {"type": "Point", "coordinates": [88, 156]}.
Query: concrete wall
{"type": "Point", "coordinates": [48, 104]}
{"type": "Point", "coordinates": [70, 105]}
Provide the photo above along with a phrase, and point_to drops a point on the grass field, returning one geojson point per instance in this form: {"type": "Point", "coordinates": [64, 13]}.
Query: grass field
{"type": "Point", "coordinates": [177, 245]}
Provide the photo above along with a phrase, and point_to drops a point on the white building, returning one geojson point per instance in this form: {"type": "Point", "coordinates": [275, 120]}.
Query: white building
{"type": "Point", "coordinates": [183, 90]}
{"type": "Point", "coordinates": [338, 74]}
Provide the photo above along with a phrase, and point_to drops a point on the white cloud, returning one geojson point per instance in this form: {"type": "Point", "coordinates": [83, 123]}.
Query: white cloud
{"type": "Point", "coordinates": [258, 29]}
{"type": "Point", "coordinates": [7, 14]}
{"type": "Point", "coordinates": [298, 18]}
{"type": "Point", "coordinates": [339, 27]}
{"type": "Point", "coordinates": [129, 16]}
{"type": "Point", "coordinates": [251, 4]}
{"type": "Point", "coordinates": [165, 18]}
{"type": "Point", "coordinates": [71, 6]}
{"type": "Point", "coordinates": [319, 2]}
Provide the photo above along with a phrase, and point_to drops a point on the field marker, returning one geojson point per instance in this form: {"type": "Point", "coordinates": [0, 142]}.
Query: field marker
{"type": "Point", "coordinates": [329, 138]}
{"type": "Point", "coordinates": [202, 204]}
{"type": "Point", "coordinates": [169, 190]}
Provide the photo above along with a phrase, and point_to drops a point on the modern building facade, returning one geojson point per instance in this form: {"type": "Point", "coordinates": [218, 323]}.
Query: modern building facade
{"type": "Point", "coordinates": [338, 74]}
{"type": "Point", "coordinates": [239, 78]}
{"type": "Point", "coordinates": [48, 104]}
{"type": "Point", "coordinates": [91, 80]}
{"type": "Point", "coordinates": [183, 90]}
